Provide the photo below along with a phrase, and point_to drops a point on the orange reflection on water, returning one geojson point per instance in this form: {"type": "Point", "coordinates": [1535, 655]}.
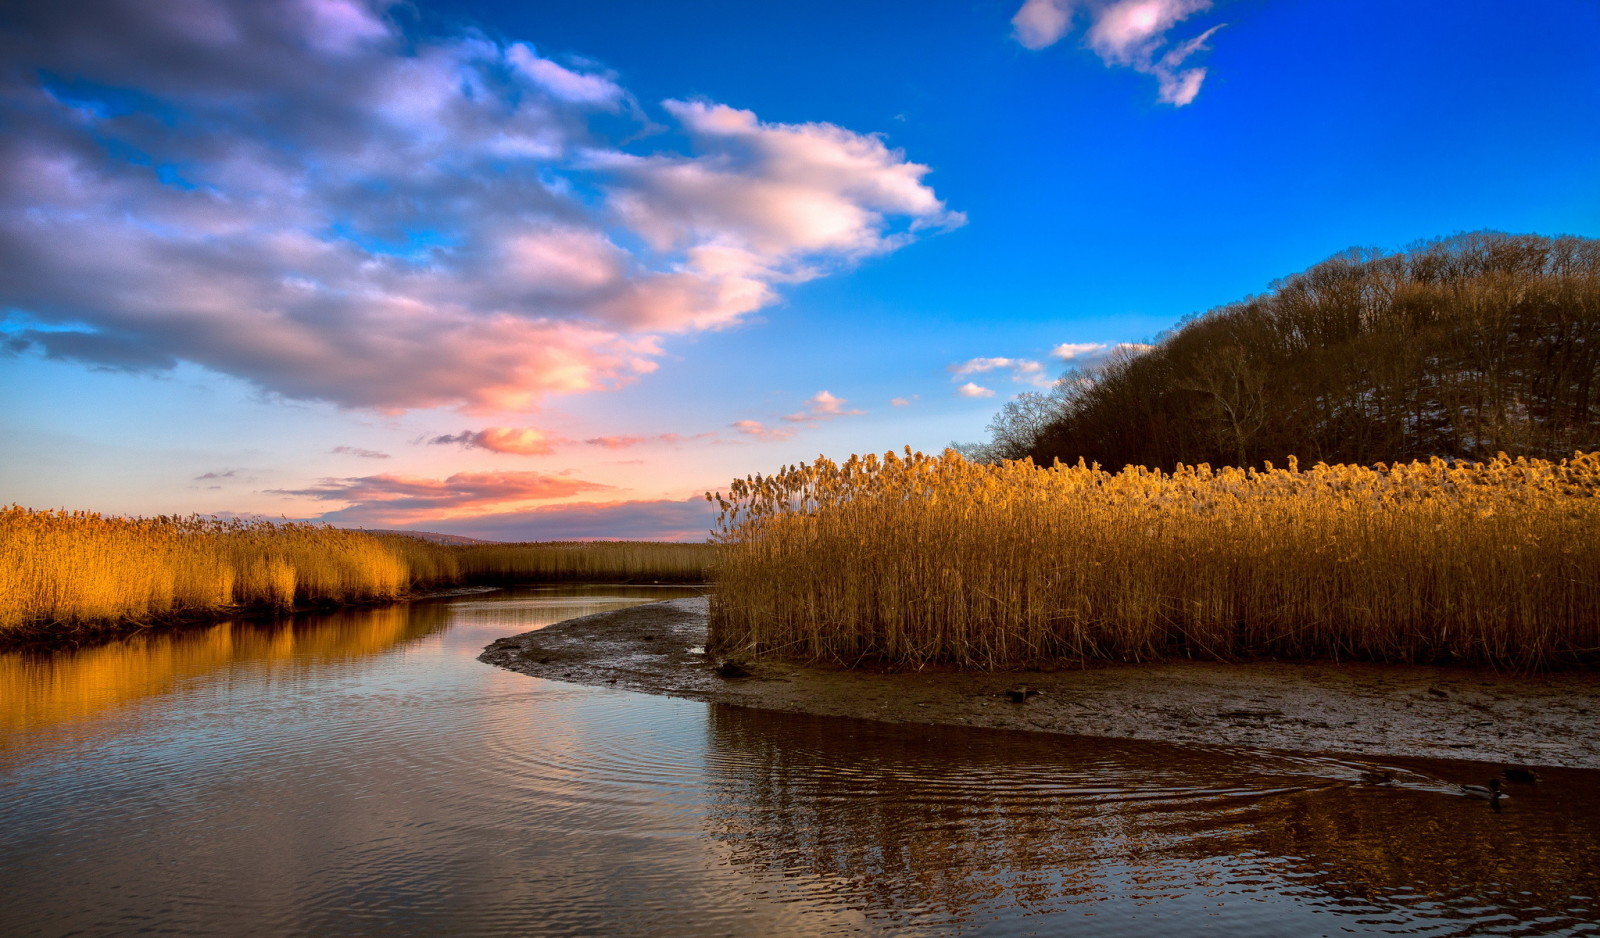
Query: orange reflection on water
{"type": "Point", "coordinates": [41, 690]}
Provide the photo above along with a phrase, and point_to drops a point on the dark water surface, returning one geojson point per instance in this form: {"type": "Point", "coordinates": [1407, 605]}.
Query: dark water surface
{"type": "Point", "coordinates": [359, 773]}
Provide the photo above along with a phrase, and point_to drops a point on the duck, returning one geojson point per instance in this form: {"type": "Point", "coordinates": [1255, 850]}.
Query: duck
{"type": "Point", "coordinates": [1491, 794]}
{"type": "Point", "coordinates": [1521, 775]}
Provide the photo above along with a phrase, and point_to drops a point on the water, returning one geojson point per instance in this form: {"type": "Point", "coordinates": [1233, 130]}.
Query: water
{"type": "Point", "coordinates": [359, 773]}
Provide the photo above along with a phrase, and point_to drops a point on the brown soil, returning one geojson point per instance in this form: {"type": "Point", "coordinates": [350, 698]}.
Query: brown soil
{"type": "Point", "coordinates": [1359, 709]}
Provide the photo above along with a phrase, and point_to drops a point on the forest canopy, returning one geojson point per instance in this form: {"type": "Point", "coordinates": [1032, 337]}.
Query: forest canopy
{"type": "Point", "coordinates": [1460, 348]}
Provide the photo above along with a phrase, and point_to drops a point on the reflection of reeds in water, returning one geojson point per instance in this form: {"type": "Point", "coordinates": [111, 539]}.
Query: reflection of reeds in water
{"type": "Point", "coordinates": [71, 684]}
{"type": "Point", "coordinates": [64, 570]}
{"type": "Point", "coordinates": [954, 824]}
{"type": "Point", "coordinates": [914, 559]}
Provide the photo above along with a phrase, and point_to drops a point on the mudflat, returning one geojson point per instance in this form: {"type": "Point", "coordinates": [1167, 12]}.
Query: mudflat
{"type": "Point", "coordinates": [1354, 708]}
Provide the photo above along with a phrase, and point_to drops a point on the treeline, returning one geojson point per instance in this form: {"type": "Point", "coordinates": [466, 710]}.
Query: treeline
{"type": "Point", "coordinates": [65, 571]}
{"type": "Point", "coordinates": [1458, 348]}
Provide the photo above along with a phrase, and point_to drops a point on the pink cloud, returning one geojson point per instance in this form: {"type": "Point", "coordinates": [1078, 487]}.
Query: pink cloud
{"type": "Point", "coordinates": [386, 500]}
{"type": "Point", "coordinates": [971, 389]}
{"type": "Point", "coordinates": [1125, 32]}
{"type": "Point", "coordinates": [761, 431]}
{"type": "Point", "coordinates": [658, 520]}
{"type": "Point", "coordinates": [904, 401]}
{"type": "Point", "coordinates": [624, 442]}
{"type": "Point", "coordinates": [349, 214]}
{"type": "Point", "coordinates": [820, 407]}
{"type": "Point", "coordinates": [519, 441]}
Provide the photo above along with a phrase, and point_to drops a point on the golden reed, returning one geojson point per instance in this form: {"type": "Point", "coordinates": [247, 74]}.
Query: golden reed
{"type": "Point", "coordinates": [914, 559]}
{"type": "Point", "coordinates": [65, 570]}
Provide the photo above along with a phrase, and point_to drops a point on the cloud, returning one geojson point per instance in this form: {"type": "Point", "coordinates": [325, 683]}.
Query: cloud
{"type": "Point", "coordinates": [821, 407]}
{"type": "Point", "coordinates": [657, 520]}
{"type": "Point", "coordinates": [387, 500]}
{"type": "Point", "coordinates": [625, 442]}
{"type": "Point", "coordinates": [518, 441]}
{"type": "Point", "coordinates": [1125, 32]}
{"type": "Point", "coordinates": [1093, 354]}
{"type": "Point", "coordinates": [904, 401]}
{"type": "Point", "coordinates": [358, 451]}
{"type": "Point", "coordinates": [1022, 369]}
{"type": "Point", "coordinates": [761, 431]}
{"type": "Point", "coordinates": [227, 474]}
{"type": "Point", "coordinates": [1042, 23]}
{"type": "Point", "coordinates": [974, 390]}
{"type": "Point", "coordinates": [297, 193]}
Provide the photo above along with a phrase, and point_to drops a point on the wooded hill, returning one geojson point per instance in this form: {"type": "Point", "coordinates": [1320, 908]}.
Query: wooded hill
{"type": "Point", "coordinates": [1460, 348]}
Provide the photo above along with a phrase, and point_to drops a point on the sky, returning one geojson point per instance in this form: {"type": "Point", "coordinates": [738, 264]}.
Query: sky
{"type": "Point", "coordinates": [533, 271]}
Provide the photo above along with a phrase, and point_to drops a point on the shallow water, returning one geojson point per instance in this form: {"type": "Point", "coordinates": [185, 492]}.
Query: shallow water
{"type": "Point", "coordinates": [361, 773]}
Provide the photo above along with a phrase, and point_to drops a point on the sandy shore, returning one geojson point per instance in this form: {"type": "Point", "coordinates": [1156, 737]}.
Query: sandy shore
{"type": "Point", "coordinates": [1356, 709]}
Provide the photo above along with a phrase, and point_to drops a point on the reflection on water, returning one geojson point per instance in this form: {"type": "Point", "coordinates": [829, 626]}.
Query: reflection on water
{"type": "Point", "coordinates": [938, 827]}
{"type": "Point", "coordinates": [41, 689]}
{"type": "Point", "coordinates": [361, 773]}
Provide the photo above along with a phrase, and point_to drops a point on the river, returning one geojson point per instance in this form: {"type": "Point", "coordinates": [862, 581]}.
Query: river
{"type": "Point", "coordinates": [361, 773]}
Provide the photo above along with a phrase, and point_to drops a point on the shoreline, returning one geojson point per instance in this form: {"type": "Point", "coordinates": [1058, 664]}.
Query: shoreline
{"type": "Point", "coordinates": [47, 636]}
{"type": "Point", "coordinates": [1360, 709]}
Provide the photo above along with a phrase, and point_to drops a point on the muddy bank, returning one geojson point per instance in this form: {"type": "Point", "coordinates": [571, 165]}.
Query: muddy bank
{"type": "Point", "coordinates": [1359, 709]}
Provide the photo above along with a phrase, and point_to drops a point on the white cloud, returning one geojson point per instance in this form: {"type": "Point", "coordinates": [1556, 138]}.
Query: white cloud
{"type": "Point", "coordinates": [1125, 32]}
{"type": "Point", "coordinates": [1092, 354]}
{"type": "Point", "coordinates": [971, 389]}
{"type": "Point", "coordinates": [1021, 369]}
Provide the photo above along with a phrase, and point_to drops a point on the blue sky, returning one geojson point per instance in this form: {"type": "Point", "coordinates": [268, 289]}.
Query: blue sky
{"type": "Point", "coordinates": [566, 265]}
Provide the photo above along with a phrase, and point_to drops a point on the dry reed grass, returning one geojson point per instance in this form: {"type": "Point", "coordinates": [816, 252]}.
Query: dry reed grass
{"type": "Point", "coordinates": [919, 559]}
{"type": "Point", "coordinates": [71, 570]}
{"type": "Point", "coordinates": [588, 560]}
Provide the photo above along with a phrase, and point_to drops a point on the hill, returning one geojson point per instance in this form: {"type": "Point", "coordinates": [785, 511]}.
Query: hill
{"type": "Point", "coordinates": [1460, 347]}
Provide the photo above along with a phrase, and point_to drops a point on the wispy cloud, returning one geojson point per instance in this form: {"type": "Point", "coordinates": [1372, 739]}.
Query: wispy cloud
{"type": "Point", "coordinates": [297, 193]}
{"type": "Point", "coordinates": [1092, 354]}
{"type": "Point", "coordinates": [657, 520]}
{"type": "Point", "coordinates": [904, 401]}
{"type": "Point", "coordinates": [760, 430]}
{"type": "Point", "coordinates": [1022, 370]}
{"type": "Point", "coordinates": [519, 441]}
{"type": "Point", "coordinates": [626, 442]}
{"type": "Point", "coordinates": [387, 500]}
{"type": "Point", "coordinates": [821, 407]}
{"type": "Point", "coordinates": [358, 451]}
{"type": "Point", "coordinates": [1131, 33]}
{"type": "Point", "coordinates": [972, 389]}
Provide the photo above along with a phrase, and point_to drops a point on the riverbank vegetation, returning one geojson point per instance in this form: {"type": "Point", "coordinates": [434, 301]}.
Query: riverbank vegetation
{"type": "Point", "coordinates": [78, 570]}
{"type": "Point", "coordinates": [1459, 348]}
{"type": "Point", "coordinates": [914, 559]}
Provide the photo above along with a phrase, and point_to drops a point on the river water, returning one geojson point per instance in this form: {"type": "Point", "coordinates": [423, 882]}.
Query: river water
{"type": "Point", "coordinates": [360, 773]}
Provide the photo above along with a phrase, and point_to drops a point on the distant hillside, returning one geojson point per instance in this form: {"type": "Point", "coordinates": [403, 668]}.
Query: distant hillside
{"type": "Point", "coordinates": [1459, 348]}
{"type": "Point", "coordinates": [429, 536]}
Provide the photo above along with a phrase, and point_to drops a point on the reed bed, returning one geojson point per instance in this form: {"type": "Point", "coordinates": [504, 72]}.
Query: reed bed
{"type": "Point", "coordinates": [588, 560]}
{"type": "Point", "coordinates": [913, 560]}
{"type": "Point", "coordinates": [78, 570]}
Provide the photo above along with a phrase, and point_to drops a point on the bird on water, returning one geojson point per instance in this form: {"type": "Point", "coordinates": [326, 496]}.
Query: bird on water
{"type": "Point", "coordinates": [1491, 794]}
